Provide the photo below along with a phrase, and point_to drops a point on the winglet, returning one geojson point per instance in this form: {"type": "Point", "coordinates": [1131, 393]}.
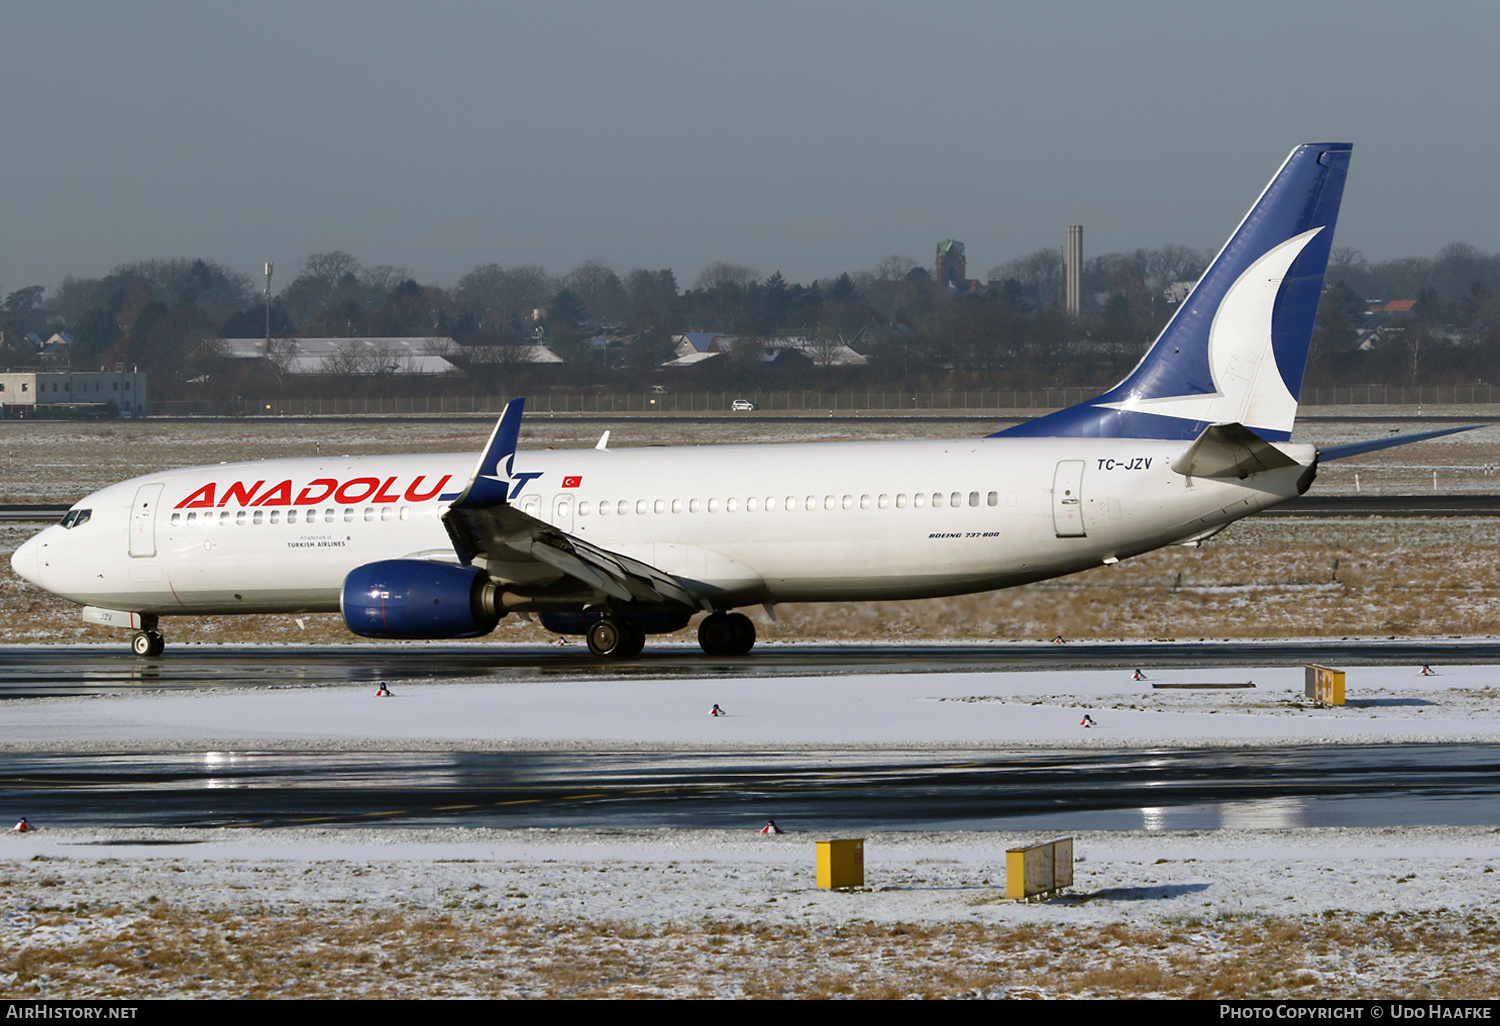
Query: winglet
{"type": "Point", "coordinates": [490, 483]}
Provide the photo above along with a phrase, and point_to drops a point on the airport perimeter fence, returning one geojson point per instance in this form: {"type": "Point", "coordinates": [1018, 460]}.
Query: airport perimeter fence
{"type": "Point", "coordinates": [950, 401]}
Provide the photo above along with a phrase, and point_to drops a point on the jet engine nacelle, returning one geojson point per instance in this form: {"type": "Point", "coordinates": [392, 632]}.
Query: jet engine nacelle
{"type": "Point", "coordinates": [409, 598]}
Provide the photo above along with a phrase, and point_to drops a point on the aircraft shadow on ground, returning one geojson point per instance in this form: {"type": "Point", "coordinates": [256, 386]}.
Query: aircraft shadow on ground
{"type": "Point", "coordinates": [1133, 893]}
{"type": "Point", "coordinates": [1385, 703]}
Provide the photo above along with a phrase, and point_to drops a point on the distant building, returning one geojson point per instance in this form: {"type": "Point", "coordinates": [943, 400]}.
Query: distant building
{"type": "Point", "coordinates": [21, 392]}
{"type": "Point", "coordinates": [298, 356]}
{"type": "Point", "coordinates": [1073, 270]}
{"type": "Point", "coordinates": [695, 347]}
{"type": "Point", "coordinates": [1177, 291]}
{"type": "Point", "coordinates": [951, 269]}
{"type": "Point", "coordinates": [1380, 313]}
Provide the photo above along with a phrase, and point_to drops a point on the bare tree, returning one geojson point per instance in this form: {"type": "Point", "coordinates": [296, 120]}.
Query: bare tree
{"type": "Point", "coordinates": [379, 282]}
{"type": "Point", "coordinates": [280, 353]}
{"type": "Point", "coordinates": [895, 268]}
{"type": "Point", "coordinates": [494, 294]}
{"type": "Point", "coordinates": [599, 288]}
{"type": "Point", "coordinates": [721, 273]}
{"type": "Point", "coordinates": [347, 360]}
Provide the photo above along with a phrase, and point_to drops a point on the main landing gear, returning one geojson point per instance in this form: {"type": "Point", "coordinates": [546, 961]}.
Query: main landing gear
{"type": "Point", "coordinates": [148, 644]}
{"type": "Point", "coordinates": [616, 637]}
{"type": "Point", "coordinates": [726, 634]}
{"type": "Point", "coordinates": [621, 637]}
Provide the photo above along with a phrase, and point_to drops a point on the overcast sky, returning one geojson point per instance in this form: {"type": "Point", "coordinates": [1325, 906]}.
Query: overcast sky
{"type": "Point", "coordinates": [811, 137]}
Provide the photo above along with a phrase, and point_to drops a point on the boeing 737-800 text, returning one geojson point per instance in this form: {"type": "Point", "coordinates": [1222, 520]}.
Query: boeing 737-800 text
{"type": "Point", "coordinates": [618, 544]}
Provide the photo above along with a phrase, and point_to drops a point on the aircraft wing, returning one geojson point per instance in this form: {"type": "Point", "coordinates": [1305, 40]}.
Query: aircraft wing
{"type": "Point", "coordinates": [515, 546]}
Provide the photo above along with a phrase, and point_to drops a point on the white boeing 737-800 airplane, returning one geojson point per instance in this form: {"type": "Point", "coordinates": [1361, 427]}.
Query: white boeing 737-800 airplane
{"type": "Point", "coordinates": [617, 544]}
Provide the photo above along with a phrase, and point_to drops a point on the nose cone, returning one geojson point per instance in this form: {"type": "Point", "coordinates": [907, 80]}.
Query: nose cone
{"type": "Point", "coordinates": [26, 562]}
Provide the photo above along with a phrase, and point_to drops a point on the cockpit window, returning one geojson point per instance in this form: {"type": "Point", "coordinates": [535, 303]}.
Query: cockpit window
{"type": "Point", "coordinates": [76, 517]}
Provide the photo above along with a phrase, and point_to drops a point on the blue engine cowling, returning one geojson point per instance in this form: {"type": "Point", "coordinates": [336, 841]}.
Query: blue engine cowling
{"type": "Point", "coordinates": [408, 598]}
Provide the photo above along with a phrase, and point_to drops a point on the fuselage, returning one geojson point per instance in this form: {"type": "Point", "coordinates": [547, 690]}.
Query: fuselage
{"type": "Point", "coordinates": [754, 524]}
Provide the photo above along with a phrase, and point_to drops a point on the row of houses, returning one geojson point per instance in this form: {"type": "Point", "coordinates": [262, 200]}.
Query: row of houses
{"type": "Point", "coordinates": [431, 355]}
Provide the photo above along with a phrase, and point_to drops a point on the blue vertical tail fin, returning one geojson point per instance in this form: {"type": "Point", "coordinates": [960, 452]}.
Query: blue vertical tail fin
{"type": "Point", "coordinates": [1236, 349]}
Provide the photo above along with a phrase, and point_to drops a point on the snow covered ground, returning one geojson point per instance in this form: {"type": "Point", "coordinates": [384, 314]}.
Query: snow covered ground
{"type": "Point", "coordinates": [64, 891]}
{"type": "Point", "coordinates": [1011, 708]}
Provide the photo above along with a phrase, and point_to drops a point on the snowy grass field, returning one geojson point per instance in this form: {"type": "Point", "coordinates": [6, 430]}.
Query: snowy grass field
{"type": "Point", "coordinates": [1258, 909]}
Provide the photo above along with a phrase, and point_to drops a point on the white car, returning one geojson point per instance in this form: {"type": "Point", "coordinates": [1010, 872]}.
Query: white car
{"type": "Point", "coordinates": [744, 406]}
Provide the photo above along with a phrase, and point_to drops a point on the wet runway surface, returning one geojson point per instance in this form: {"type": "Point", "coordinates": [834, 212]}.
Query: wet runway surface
{"type": "Point", "coordinates": [57, 671]}
{"type": "Point", "coordinates": [1209, 788]}
{"type": "Point", "coordinates": [1288, 786]}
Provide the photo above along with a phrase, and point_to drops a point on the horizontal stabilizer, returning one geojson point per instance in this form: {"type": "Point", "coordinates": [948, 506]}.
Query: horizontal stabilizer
{"type": "Point", "coordinates": [1230, 450]}
{"type": "Point", "coordinates": [1338, 452]}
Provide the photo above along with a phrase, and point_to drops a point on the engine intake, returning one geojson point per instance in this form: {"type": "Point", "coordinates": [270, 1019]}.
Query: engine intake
{"type": "Point", "coordinates": [409, 598]}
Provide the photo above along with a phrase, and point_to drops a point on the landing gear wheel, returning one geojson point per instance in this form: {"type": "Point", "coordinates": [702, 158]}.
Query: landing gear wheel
{"type": "Point", "coordinates": [616, 637]}
{"type": "Point", "coordinates": [722, 634]}
{"type": "Point", "coordinates": [637, 639]}
{"type": "Point", "coordinates": [148, 644]}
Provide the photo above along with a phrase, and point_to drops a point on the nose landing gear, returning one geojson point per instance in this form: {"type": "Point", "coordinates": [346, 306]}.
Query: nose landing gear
{"type": "Point", "coordinates": [148, 644]}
